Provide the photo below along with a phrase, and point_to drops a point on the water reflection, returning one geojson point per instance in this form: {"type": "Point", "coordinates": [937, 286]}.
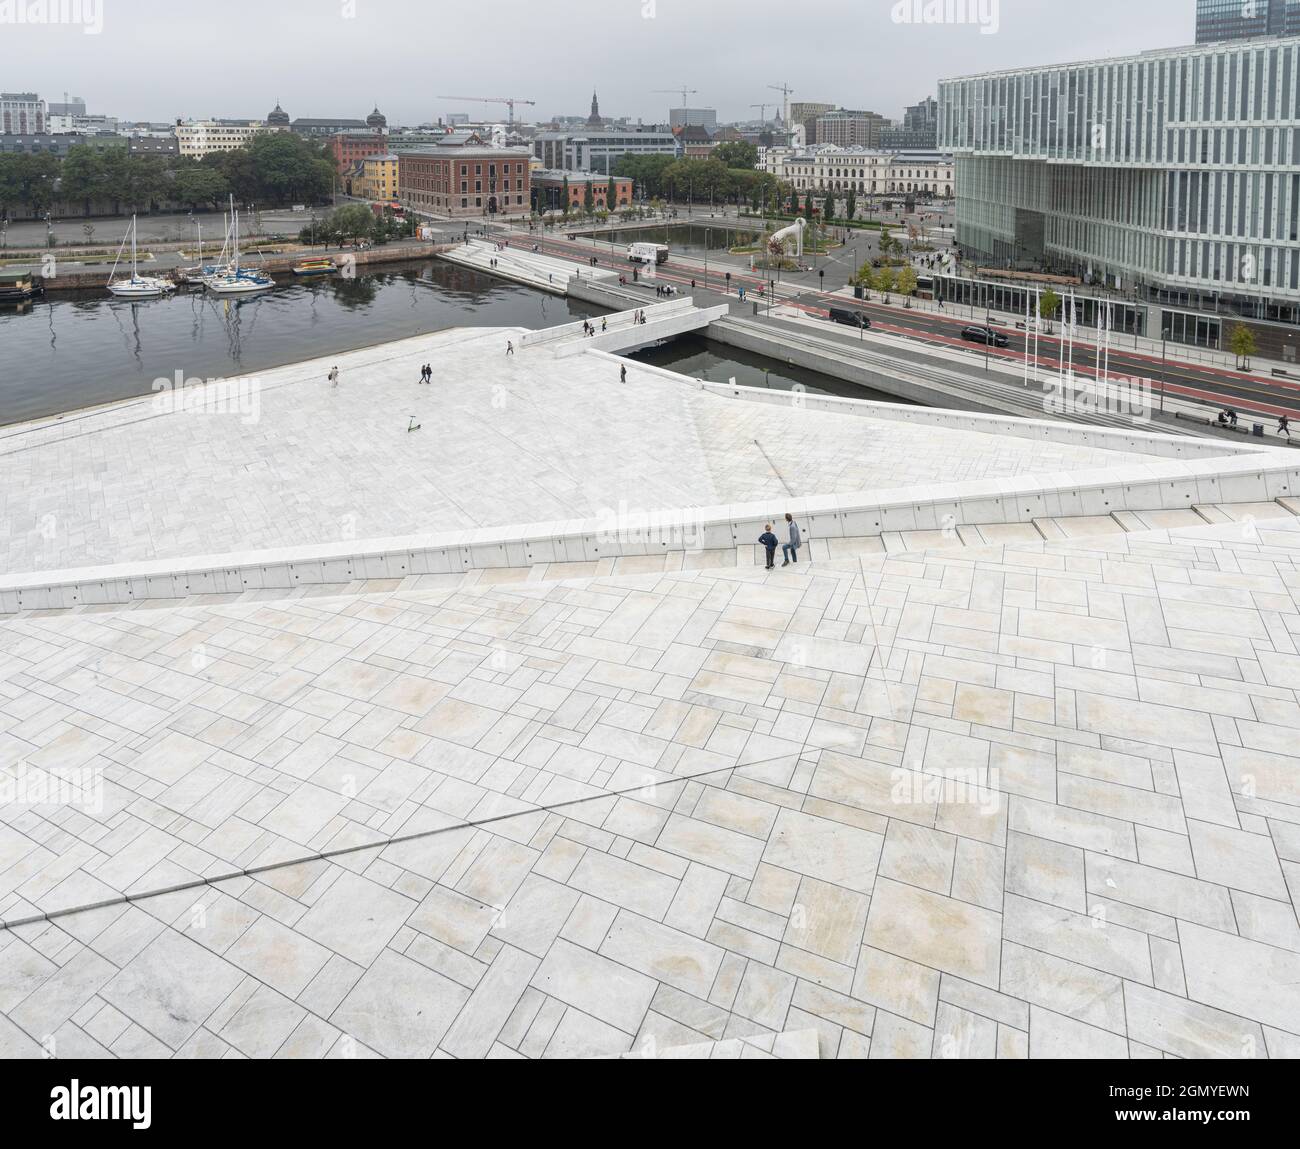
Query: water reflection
{"type": "Point", "coordinates": [701, 358]}
{"type": "Point", "coordinates": [75, 350]}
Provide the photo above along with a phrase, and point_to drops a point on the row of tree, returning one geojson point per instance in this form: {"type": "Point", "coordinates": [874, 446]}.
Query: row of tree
{"type": "Point", "coordinates": [704, 180]}
{"type": "Point", "coordinates": [354, 223]}
{"type": "Point", "coordinates": [276, 168]}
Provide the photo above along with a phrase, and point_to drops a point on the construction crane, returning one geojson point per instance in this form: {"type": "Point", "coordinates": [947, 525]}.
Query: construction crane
{"type": "Point", "coordinates": [510, 101]}
{"type": "Point", "coordinates": [683, 90]}
{"type": "Point", "coordinates": [785, 91]}
{"type": "Point", "coordinates": [762, 113]}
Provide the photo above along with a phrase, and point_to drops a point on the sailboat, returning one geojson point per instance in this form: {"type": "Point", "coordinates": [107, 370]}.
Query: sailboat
{"type": "Point", "coordinates": [198, 274]}
{"type": "Point", "coordinates": [138, 286]}
{"type": "Point", "coordinates": [236, 280]}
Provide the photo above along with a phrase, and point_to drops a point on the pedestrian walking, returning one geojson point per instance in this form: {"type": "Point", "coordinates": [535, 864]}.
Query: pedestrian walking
{"type": "Point", "coordinates": [510, 347]}
{"type": "Point", "coordinates": [602, 325]}
{"type": "Point", "coordinates": [790, 550]}
{"type": "Point", "coordinates": [622, 373]}
{"type": "Point", "coordinates": [334, 376]}
{"type": "Point", "coordinates": [768, 539]}
{"type": "Point", "coordinates": [1284, 426]}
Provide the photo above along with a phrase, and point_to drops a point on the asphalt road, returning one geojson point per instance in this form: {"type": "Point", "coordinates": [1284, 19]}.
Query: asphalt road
{"type": "Point", "coordinates": [1213, 386]}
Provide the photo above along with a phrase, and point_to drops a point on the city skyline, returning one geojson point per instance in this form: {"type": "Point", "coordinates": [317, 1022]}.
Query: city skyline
{"type": "Point", "coordinates": [634, 48]}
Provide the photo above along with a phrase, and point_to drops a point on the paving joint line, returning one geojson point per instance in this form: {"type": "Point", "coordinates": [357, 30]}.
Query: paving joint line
{"type": "Point", "coordinates": [343, 851]}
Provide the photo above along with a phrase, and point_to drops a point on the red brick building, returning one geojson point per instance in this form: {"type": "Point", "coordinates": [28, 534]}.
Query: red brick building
{"type": "Point", "coordinates": [349, 148]}
{"type": "Point", "coordinates": [550, 191]}
{"type": "Point", "coordinates": [465, 181]}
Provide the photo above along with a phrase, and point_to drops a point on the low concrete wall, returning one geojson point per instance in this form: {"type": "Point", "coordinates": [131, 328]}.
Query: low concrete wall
{"type": "Point", "coordinates": [1160, 485]}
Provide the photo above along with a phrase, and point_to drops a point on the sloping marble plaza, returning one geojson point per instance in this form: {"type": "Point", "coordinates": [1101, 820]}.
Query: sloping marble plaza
{"type": "Point", "coordinates": [1026, 791]}
{"type": "Point", "coordinates": [502, 440]}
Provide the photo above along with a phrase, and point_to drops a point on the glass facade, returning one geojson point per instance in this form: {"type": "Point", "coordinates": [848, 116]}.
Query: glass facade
{"type": "Point", "coordinates": [1218, 20]}
{"type": "Point", "coordinates": [1177, 170]}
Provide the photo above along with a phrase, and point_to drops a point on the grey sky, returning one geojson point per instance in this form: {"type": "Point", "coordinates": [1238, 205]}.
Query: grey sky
{"type": "Point", "coordinates": [160, 59]}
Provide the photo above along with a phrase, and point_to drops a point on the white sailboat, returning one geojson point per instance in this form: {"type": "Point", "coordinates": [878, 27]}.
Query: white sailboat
{"type": "Point", "coordinates": [235, 280]}
{"type": "Point", "coordinates": [197, 274]}
{"type": "Point", "coordinates": [138, 286]}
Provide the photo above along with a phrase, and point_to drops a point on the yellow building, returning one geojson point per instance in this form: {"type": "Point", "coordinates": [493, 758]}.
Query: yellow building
{"type": "Point", "coordinates": [378, 179]}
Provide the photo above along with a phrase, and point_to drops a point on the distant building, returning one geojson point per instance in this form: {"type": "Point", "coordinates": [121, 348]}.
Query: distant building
{"type": "Point", "coordinates": [83, 123]}
{"type": "Point", "coordinates": [918, 131]}
{"type": "Point", "coordinates": [319, 129]}
{"type": "Point", "coordinates": [864, 171]}
{"type": "Point", "coordinates": [594, 119]}
{"type": "Point", "coordinates": [22, 113]}
{"type": "Point", "coordinates": [152, 145]}
{"type": "Point", "coordinates": [599, 152]}
{"type": "Point", "coordinates": [455, 118]}
{"type": "Point", "coordinates": [277, 119]}
{"type": "Point", "coordinates": [350, 148]}
{"type": "Point", "coordinates": [467, 181]}
{"type": "Point", "coordinates": [804, 113]}
{"type": "Point", "coordinates": [199, 138]}
{"type": "Point", "coordinates": [695, 142]}
{"type": "Point", "coordinates": [849, 129]}
{"type": "Point", "coordinates": [46, 143]}
{"type": "Point", "coordinates": [1219, 20]}
{"type": "Point", "coordinates": [378, 178]}
{"type": "Point", "coordinates": [73, 107]}
{"type": "Point", "coordinates": [706, 118]}
{"type": "Point", "coordinates": [548, 191]}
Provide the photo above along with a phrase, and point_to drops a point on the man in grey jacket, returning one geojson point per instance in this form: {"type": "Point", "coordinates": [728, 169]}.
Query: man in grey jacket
{"type": "Point", "coordinates": [790, 550]}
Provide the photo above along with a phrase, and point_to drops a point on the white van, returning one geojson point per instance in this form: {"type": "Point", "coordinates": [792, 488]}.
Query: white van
{"type": "Point", "coordinates": [647, 253]}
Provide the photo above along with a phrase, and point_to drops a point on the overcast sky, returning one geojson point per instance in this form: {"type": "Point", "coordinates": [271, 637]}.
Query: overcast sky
{"type": "Point", "coordinates": [160, 59]}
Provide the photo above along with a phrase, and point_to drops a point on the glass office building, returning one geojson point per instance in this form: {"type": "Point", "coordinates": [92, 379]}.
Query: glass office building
{"type": "Point", "coordinates": [1174, 175]}
{"type": "Point", "coordinates": [1218, 20]}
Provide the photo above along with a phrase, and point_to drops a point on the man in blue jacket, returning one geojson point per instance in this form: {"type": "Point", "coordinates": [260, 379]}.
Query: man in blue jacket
{"type": "Point", "coordinates": [768, 539]}
{"type": "Point", "coordinates": [790, 550]}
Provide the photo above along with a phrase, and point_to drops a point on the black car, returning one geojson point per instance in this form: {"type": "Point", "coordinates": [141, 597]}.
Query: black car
{"type": "Point", "coordinates": [985, 335]}
{"type": "Point", "coordinates": [852, 318]}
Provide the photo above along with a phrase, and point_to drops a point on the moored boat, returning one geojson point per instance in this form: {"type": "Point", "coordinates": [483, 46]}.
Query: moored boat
{"type": "Point", "coordinates": [236, 280]}
{"type": "Point", "coordinates": [138, 286]}
{"type": "Point", "coordinates": [19, 287]}
{"type": "Point", "coordinates": [322, 266]}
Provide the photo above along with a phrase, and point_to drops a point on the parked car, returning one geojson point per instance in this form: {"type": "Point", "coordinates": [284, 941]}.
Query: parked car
{"type": "Point", "coordinates": [985, 335]}
{"type": "Point", "coordinates": [850, 317]}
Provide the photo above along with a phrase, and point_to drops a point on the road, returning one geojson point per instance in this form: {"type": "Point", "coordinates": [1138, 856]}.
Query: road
{"type": "Point", "coordinates": [1212, 386]}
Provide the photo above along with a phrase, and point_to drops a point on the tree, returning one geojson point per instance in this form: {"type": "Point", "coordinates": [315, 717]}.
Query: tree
{"type": "Point", "coordinates": [611, 195]}
{"type": "Point", "coordinates": [1242, 344]}
{"type": "Point", "coordinates": [81, 176]}
{"type": "Point", "coordinates": [352, 222]}
{"type": "Point", "coordinates": [906, 283]}
{"type": "Point", "coordinates": [1049, 303]}
{"type": "Point", "coordinates": [851, 207]}
{"type": "Point", "coordinates": [885, 281]}
{"type": "Point", "coordinates": [564, 196]}
{"type": "Point", "coordinates": [196, 185]}
{"type": "Point", "coordinates": [736, 154]}
{"type": "Point", "coordinates": [588, 198]}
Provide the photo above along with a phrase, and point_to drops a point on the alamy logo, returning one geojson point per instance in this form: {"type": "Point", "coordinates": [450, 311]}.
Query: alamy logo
{"type": "Point", "coordinates": [77, 1102]}
{"type": "Point", "coordinates": [984, 13]}
{"type": "Point", "coordinates": [87, 13]}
